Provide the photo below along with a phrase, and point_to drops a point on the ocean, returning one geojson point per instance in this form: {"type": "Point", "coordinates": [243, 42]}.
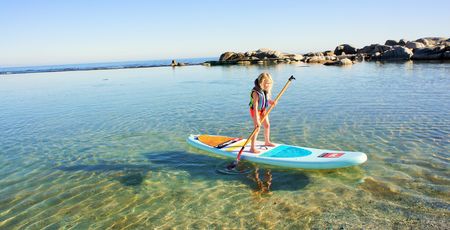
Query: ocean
{"type": "Point", "coordinates": [107, 148]}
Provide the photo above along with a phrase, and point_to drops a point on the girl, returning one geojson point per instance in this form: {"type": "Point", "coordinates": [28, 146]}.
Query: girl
{"type": "Point", "coordinates": [259, 102]}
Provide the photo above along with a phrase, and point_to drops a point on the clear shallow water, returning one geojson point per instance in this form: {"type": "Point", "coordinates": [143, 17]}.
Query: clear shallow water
{"type": "Point", "coordinates": [107, 148]}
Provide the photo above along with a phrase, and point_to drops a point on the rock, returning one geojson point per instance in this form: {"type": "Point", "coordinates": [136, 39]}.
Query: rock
{"type": "Point", "coordinates": [446, 55]}
{"type": "Point", "coordinates": [397, 53]}
{"type": "Point", "coordinates": [328, 53]}
{"type": "Point", "coordinates": [250, 53]}
{"type": "Point", "coordinates": [432, 41]}
{"type": "Point", "coordinates": [239, 57]}
{"type": "Point", "coordinates": [375, 55]}
{"type": "Point", "coordinates": [425, 41]}
{"type": "Point", "coordinates": [316, 59]}
{"type": "Point", "coordinates": [267, 53]}
{"type": "Point", "coordinates": [429, 53]}
{"type": "Point", "coordinates": [402, 42]}
{"type": "Point", "coordinates": [315, 54]}
{"type": "Point", "coordinates": [415, 45]}
{"type": "Point", "coordinates": [174, 63]}
{"type": "Point", "coordinates": [391, 43]}
{"type": "Point", "coordinates": [374, 48]}
{"type": "Point", "coordinates": [226, 56]}
{"type": "Point", "coordinates": [330, 58]}
{"type": "Point", "coordinates": [295, 57]}
{"type": "Point", "coordinates": [344, 61]}
{"type": "Point", "coordinates": [360, 57]}
{"type": "Point", "coordinates": [382, 48]}
{"type": "Point", "coordinates": [181, 64]}
{"type": "Point", "coordinates": [346, 48]}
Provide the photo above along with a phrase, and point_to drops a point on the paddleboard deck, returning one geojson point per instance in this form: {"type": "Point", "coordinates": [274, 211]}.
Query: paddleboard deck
{"type": "Point", "coordinates": [278, 155]}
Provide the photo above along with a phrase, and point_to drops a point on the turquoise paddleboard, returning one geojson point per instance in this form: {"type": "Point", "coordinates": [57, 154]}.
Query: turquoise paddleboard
{"type": "Point", "coordinates": [279, 155]}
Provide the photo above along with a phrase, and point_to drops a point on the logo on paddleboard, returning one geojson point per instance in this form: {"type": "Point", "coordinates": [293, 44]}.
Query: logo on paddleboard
{"type": "Point", "coordinates": [331, 155]}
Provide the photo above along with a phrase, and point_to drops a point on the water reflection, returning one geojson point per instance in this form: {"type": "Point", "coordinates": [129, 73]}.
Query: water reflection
{"type": "Point", "coordinates": [265, 184]}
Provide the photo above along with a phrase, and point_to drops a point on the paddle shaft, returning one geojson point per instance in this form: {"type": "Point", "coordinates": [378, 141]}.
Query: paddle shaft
{"type": "Point", "coordinates": [264, 117]}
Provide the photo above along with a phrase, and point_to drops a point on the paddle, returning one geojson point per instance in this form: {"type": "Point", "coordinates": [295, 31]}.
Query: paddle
{"type": "Point", "coordinates": [238, 158]}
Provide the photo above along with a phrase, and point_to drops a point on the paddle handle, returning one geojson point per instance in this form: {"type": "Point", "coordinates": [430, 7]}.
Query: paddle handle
{"type": "Point", "coordinates": [265, 116]}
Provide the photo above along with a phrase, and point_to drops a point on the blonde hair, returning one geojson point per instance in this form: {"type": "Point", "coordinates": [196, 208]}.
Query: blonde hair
{"type": "Point", "coordinates": [263, 77]}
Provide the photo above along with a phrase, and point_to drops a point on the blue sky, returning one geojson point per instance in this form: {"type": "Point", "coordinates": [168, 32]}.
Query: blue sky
{"type": "Point", "coordinates": [49, 32]}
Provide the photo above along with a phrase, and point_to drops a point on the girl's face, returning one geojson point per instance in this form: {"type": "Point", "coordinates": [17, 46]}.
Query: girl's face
{"type": "Point", "coordinates": [266, 85]}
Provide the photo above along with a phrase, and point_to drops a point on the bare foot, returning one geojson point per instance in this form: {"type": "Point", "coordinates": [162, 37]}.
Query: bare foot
{"type": "Point", "coordinates": [254, 151]}
{"type": "Point", "coordinates": [270, 144]}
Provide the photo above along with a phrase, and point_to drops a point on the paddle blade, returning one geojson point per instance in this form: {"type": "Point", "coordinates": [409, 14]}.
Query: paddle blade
{"type": "Point", "coordinates": [233, 165]}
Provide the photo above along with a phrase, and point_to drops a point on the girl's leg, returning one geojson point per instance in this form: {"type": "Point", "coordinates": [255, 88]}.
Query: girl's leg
{"type": "Point", "coordinates": [266, 124]}
{"type": "Point", "coordinates": [253, 140]}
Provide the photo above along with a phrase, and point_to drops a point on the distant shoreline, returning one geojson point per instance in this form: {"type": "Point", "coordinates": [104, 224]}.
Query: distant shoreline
{"type": "Point", "coordinates": [88, 69]}
{"type": "Point", "coordinates": [157, 66]}
{"type": "Point", "coordinates": [105, 66]}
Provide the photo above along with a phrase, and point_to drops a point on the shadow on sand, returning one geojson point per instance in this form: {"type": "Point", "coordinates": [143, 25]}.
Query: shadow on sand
{"type": "Point", "coordinates": [199, 167]}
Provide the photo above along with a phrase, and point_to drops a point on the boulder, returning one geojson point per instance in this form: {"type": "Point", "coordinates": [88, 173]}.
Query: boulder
{"type": "Point", "coordinates": [295, 57]}
{"type": "Point", "coordinates": [415, 45]}
{"type": "Point", "coordinates": [360, 57]}
{"type": "Point", "coordinates": [328, 53]}
{"type": "Point", "coordinates": [313, 54]}
{"type": "Point", "coordinates": [346, 48]}
{"type": "Point", "coordinates": [426, 42]}
{"type": "Point", "coordinates": [446, 55]}
{"type": "Point", "coordinates": [391, 43]}
{"type": "Point", "coordinates": [316, 59]}
{"type": "Point", "coordinates": [382, 48]}
{"type": "Point", "coordinates": [432, 41]}
{"type": "Point", "coordinates": [429, 53]}
{"type": "Point", "coordinates": [249, 53]}
{"type": "Point", "coordinates": [374, 48]}
{"type": "Point", "coordinates": [375, 55]}
{"type": "Point", "coordinates": [397, 53]}
{"type": "Point", "coordinates": [344, 61]}
{"type": "Point", "coordinates": [402, 42]}
{"type": "Point", "coordinates": [226, 56]}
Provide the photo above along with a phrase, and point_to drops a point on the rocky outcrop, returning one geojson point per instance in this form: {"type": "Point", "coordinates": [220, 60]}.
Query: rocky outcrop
{"type": "Point", "coordinates": [260, 56]}
{"type": "Point", "coordinates": [175, 63]}
{"type": "Point", "coordinates": [429, 48]}
{"type": "Point", "coordinates": [432, 48]}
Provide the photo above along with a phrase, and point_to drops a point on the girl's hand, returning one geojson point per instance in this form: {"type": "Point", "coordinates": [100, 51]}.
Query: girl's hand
{"type": "Point", "coordinates": [273, 103]}
{"type": "Point", "coordinates": [258, 123]}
